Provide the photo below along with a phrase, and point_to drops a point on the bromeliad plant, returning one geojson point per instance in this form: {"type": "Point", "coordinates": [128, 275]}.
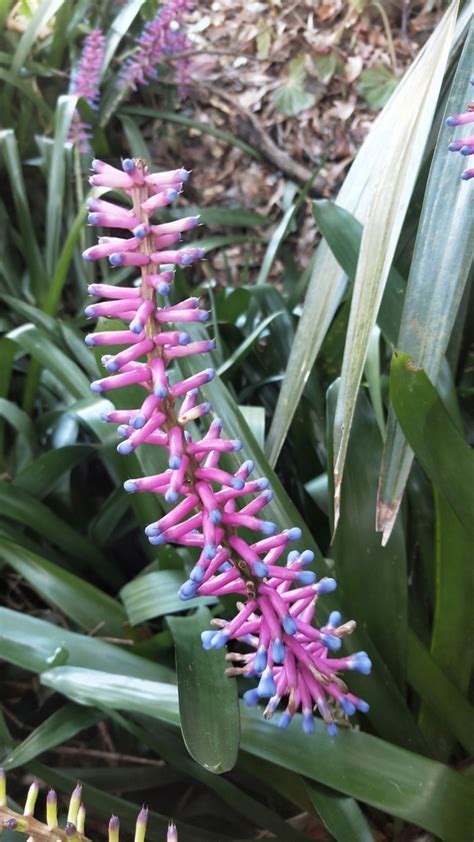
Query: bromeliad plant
{"type": "Point", "coordinates": [74, 826]}
{"type": "Point", "coordinates": [209, 507]}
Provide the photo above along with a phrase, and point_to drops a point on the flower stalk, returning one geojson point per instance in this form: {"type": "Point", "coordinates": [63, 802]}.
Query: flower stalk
{"type": "Point", "coordinates": [209, 507]}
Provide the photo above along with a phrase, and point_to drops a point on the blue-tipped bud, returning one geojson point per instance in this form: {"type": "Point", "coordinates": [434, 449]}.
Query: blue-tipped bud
{"type": "Point", "coordinates": [93, 219]}
{"type": "Point", "coordinates": [220, 639]}
{"type": "Point", "coordinates": [111, 365]}
{"type": "Point", "coordinates": [266, 685]}
{"type": "Point", "coordinates": [332, 729]}
{"type": "Point", "coordinates": [136, 326]}
{"type": "Point", "coordinates": [361, 663]}
{"type": "Point", "coordinates": [130, 486]}
{"type": "Point", "coordinates": [451, 121]}
{"type": "Point", "coordinates": [89, 311]}
{"type": "Point", "coordinates": [122, 431]}
{"type": "Point", "coordinates": [347, 706]}
{"type": "Point", "coordinates": [125, 448]}
{"type": "Point", "coordinates": [278, 651]}
{"type": "Point", "coordinates": [104, 416]}
{"type": "Point", "coordinates": [96, 386]}
{"type": "Point", "coordinates": [225, 567]}
{"type": "Point", "coordinates": [306, 557]}
{"type": "Point", "coordinates": [284, 720]}
{"type": "Point", "coordinates": [186, 259]}
{"type": "Point", "coordinates": [160, 391]}
{"type": "Point", "coordinates": [183, 175]}
{"type": "Point", "coordinates": [260, 659]}
{"type": "Point", "coordinates": [174, 462]}
{"type": "Point", "coordinates": [293, 534]}
{"type": "Point", "coordinates": [171, 495]}
{"type": "Point", "coordinates": [251, 698]}
{"type": "Point", "coordinates": [267, 527]}
{"type": "Point", "coordinates": [171, 194]}
{"type": "Point", "coordinates": [197, 573]}
{"type": "Point", "coordinates": [138, 422]}
{"type": "Point", "coordinates": [115, 259]}
{"type": "Point", "coordinates": [206, 637]}
{"type": "Point", "coordinates": [326, 586]}
{"type": "Point", "coordinates": [209, 551]}
{"type": "Point", "coordinates": [260, 569]}
{"type": "Point", "coordinates": [306, 577]}
{"type": "Point", "coordinates": [269, 496]}
{"type": "Point", "coordinates": [90, 339]}
{"type": "Point", "coordinates": [188, 589]}
{"type": "Point", "coordinates": [288, 624]}
{"type": "Point", "coordinates": [364, 707]}
{"type": "Point", "coordinates": [331, 641]}
{"type": "Point", "coordinates": [210, 373]}
{"type": "Point", "coordinates": [467, 150]}
{"type": "Point", "coordinates": [292, 557]}
{"type": "Point", "coordinates": [215, 516]}
{"type": "Point", "coordinates": [157, 540]}
{"type": "Point", "coordinates": [308, 723]}
{"type": "Point", "coordinates": [152, 530]}
{"type": "Point", "coordinates": [140, 231]}
{"type": "Point", "coordinates": [248, 466]}
{"type": "Point", "coordinates": [203, 316]}
{"type": "Point", "coordinates": [237, 483]}
{"type": "Point", "coordinates": [335, 618]}
{"type": "Point", "coordinates": [263, 483]}
{"type": "Point", "coordinates": [163, 288]}
{"type": "Point", "coordinates": [184, 338]}
{"type": "Point", "coordinates": [128, 165]}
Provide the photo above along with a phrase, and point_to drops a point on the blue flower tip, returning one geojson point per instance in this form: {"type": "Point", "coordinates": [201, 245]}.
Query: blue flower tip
{"type": "Point", "coordinates": [284, 720]}
{"type": "Point", "coordinates": [171, 496]}
{"type": "Point", "coordinates": [332, 729]}
{"type": "Point", "coordinates": [306, 577]}
{"type": "Point", "coordinates": [209, 551]}
{"type": "Point", "coordinates": [294, 534]}
{"type": "Point", "coordinates": [96, 386]}
{"type": "Point", "coordinates": [215, 516]}
{"type": "Point", "coordinates": [266, 686]}
{"type": "Point", "coordinates": [160, 391]}
{"type": "Point", "coordinates": [188, 590]}
{"type": "Point", "coordinates": [89, 311]}
{"type": "Point", "coordinates": [263, 483]}
{"type": "Point", "coordinates": [163, 288]}
{"type": "Point", "coordinates": [260, 569]}
{"type": "Point", "coordinates": [251, 698]}
{"type": "Point", "coordinates": [237, 483]}
{"type": "Point", "coordinates": [288, 624]}
{"type": "Point", "coordinates": [307, 556]}
{"type": "Point", "coordinates": [267, 527]}
{"type": "Point", "coordinates": [278, 651]}
{"type": "Point", "coordinates": [197, 573]}
{"type": "Point", "coordinates": [308, 723]}
{"type": "Point", "coordinates": [206, 637]}
{"type": "Point", "coordinates": [130, 486]}
{"type": "Point", "coordinates": [364, 707]}
{"type": "Point", "coordinates": [128, 165]}
{"type": "Point", "coordinates": [92, 219]}
{"type": "Point", "coordinates": [138, 422]}
{"type": "Point", "coordinates": [111, 366]}
{"type": "Point", "coordinates": [335, 618]}
{"type": "Point", "coordinates": [115, 259]}
{"type": "Point", "coordinates": [347, 707]}
{"type": "Point", "coordinates": [174, 462]}
{"type": "Point", "coordinates": [124, 448]}
{"type": "Point", "coordinates": [203, 315]}
{"type": "Point", "coordinates": [210, 373]}
{"type": "Point", "coordinates": [90, 340]}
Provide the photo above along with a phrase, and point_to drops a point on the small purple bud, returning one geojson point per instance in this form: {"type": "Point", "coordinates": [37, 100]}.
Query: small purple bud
{"type": "Point", "coordinates": [251, 698]}
{"type": "Point", "coordinates": [332, 729]}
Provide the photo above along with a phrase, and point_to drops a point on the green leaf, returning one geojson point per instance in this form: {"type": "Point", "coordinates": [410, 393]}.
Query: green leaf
{"type": "Point", "coordinates": [33, 341]}
{"type": "Point", "coordinates": [41, 476]}
{"type": "Point", "coordinates": [64, 724]}
{"type": "Point", "coordinates": [34, 260]}
{"type": "Point", "coordinates": [391, 779]}
{"type": "Point", "coordinates": [375, 576]}
{"type": "Point", "coordinates": [255, 419]}
{"type": "Point", "coordinates": [438, 277]}
{"type": "Point", "coordinates": [402, 158]}
{"type": "Point", "coordinates": [376, 85]}
{"type": "Point", "coordinates": [82, 602]}
{"type": "Point", "coordinates": [36, 645]}
{"type": "Point", "coordinates": [43, 13]}
{"type": "Point", "coordinates": [65, 108]}
{"type": "Point", "coordinates": [18, 505]}
{"type": "Point", "coordinates": [327, 64]}
{"type": "Point", "coordinates": [430, 432]}
{"type": "Point", "coordinates": [291, 97]}
{"type": "Point", "coordinates": [119, 27]}
{"type": "Point", "coordinates": [204, 128]}
{"type": "Point", "coordinates": [440, 695]}
{"type": "Point", "coordinates": [341, 815]}
{"type": "Point", "coordinates": [208, 700]}
{"type": "Point", "coordinates": [246, 346]}
{"type": "Point", "coordinates": [328, 282]}
{"type": "Point", "coordinates": [155, 595]}
{"type": "Point", "coordinates": [452, 637]}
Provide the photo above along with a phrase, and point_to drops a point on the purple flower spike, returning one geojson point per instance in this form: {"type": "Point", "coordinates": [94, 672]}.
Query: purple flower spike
{"type": "Point", "coordinates": [162, 36]}
{"type": "Point", "coordinates": [465, 144]}
{"type": "Point", "coordinates": [85, 83]}
{"type": "Point", "coordinates": [209, 506]}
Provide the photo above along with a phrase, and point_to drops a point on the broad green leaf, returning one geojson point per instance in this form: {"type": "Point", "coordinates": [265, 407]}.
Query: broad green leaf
{"type": "Point", "coordinates": [44, 12]}
{"type": "Point", "coordinates": [36, 645]}
{"type": "Point", "coordinates": [208, 699]}
{"type": "Point", "coordinates": [9, 147]}
{"type": "Point", "coordinates": [57, 180]}
{"type": "Point", "coordinates": [439, 273]}
{"type": "Point", "coordinates": [452, 638]}
{"type": "Point", "coordinates": [328, 282]}
{"type": "Point", "coordinates": [340, 814]}
{"type": "Point", "coordinates": [291, 97]}
{"type": "Point", "coordinates": [42, 475]}
{"type": "Point", "coordinates": [440, 695]}
{"type": "Point", "coordinates": [76, 598]}
{"type": "Point", "coordinates": [118, 28]}
{"type": "Point", "coordinates": [375, 576]}
{"type": "Point", "coordinates": [430, 432]}
{"type": "Point", "coordinates": [21, 423]}
{"type": "Point", "coordinates": [60, 727]}
{"type": "Point", "coordinates": [35, 342]}
{"type": "Point", "coordinates": [401, 157]}
{"type": "Point", "coordinates": [155, 595]}
{"type": "Point", "coordinates": [255, 419]}
{"type": "Point", "coordinates": [391, 779]}
{"type": "Point", "coordinates": [18, 505]}
{"type": "Point", "coordinates": [63, 263]}
{"type": "Point", "coordinates": [381, 691]}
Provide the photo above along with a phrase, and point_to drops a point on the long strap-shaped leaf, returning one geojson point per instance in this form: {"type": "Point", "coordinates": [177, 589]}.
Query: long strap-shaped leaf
{"type": "Point", "coordinates": [440, 269]}
{"type": "Point", "coordinates": [394, 185]}
{"type": "Point", "coordinates": [328, 281]}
